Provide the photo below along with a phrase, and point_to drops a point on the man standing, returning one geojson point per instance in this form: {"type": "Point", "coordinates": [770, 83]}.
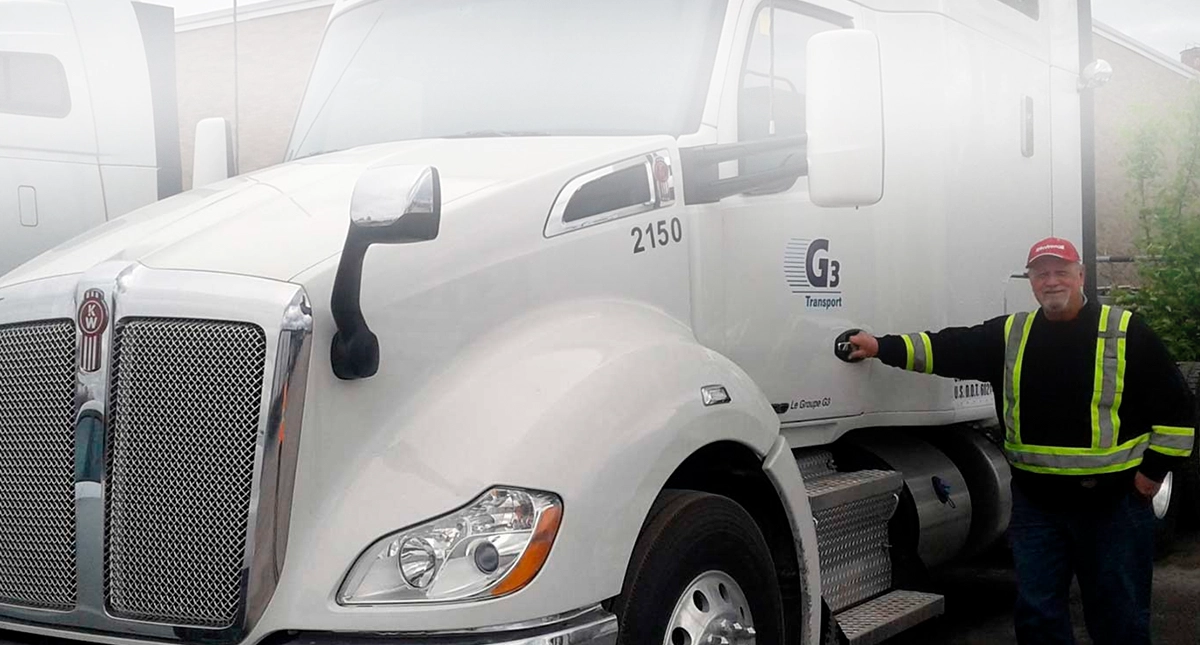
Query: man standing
{"type": "Point", "coordinates": [1095, 414]}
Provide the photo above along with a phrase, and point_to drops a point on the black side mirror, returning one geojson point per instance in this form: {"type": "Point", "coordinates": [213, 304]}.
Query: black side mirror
{"type": "Point", "coordinates": [391, 205]}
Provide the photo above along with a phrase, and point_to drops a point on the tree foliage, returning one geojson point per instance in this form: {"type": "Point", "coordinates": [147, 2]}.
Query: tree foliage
{"type": "Point", "coordinates": [1163, 162]}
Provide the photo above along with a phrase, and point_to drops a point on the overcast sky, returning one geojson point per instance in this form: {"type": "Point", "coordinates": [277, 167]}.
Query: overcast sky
{"type": "Point", "coordinates": [1169, 26]}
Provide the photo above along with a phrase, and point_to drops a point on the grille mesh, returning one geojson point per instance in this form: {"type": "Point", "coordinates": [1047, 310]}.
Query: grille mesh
{"type": "Point", "coordinates": [37, 456]}
{"type": "Point", "coordinates": [184, 425]}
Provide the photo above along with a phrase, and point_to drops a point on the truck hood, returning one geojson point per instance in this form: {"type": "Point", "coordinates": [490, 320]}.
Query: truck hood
{"type": "Point", "coordinates": [277, 222]}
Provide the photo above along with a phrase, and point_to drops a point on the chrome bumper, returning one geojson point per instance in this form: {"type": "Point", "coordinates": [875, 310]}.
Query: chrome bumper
{"type": "Point", "coordinates": [596, 627]}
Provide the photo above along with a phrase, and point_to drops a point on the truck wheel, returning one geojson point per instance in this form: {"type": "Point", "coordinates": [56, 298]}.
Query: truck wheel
{"type": "Point", "coordinates": [1187, 476]}
{"type": "Point", "coordinates": [700, 573]}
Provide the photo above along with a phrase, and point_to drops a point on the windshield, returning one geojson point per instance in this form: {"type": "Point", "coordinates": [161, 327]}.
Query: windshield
{"type": "Point", "coordinates": [393, 70]}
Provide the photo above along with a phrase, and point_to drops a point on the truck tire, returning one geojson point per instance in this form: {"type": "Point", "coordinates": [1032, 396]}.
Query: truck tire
{"type": "Point", "coordinates": [1187, 478]}
{"type": "Point", "coordinates": [700, 568]}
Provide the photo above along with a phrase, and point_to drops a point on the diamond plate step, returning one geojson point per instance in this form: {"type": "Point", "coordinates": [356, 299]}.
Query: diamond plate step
{"type": "Point", "coordinates": [838, 489]}
{"type": "Point", "coordinates": [882, 618]}
{"type": "Point", "coordinates": [815, 463]}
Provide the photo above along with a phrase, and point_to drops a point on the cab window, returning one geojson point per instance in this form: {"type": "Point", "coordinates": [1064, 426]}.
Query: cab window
{"type": "Point", "coordinates": [33, 85]}
{"type": "Point", "coordinates": [771, 94]}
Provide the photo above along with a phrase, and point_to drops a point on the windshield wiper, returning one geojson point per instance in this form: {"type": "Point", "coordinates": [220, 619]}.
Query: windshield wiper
{"type": "Point", "coordinates": [485, 134]}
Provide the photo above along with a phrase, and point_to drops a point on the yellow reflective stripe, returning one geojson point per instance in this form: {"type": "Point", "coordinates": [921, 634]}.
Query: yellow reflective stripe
{"type": "Point", "coordinates": [928, 353]}
{"type": "Point", "coordinates": [1098, 377]}
{"type": "Point", "coordinates": [1017, 378]}
{"type": "Point", "coordinates": [1178, 431]}
{"type": "Point", "coordinates": [1008, 323]}
{"type": "Point", "coordinates": [1077, 452]}
{"type": "Point", "coordinates": [1173, 452]}
{"type": "Point", "coordinates": [1171, 440]}
{"type": "Point", "coordinates": [1108, 384]}
{"type": "Point", "coordinates": [920, 352]}
{"type": "Point", "coordinates": [1116, 417]}
{"type": "Point", "coordinates": [1054, 459]}
{"type": "Point", "coordinates": [1079, 471]}
{"type": "Point", "coordinates": [1098, 386]}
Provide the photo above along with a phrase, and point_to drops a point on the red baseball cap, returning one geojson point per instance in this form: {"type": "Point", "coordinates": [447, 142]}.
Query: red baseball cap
{"type": "Point", "coordinates": [1053, 247]}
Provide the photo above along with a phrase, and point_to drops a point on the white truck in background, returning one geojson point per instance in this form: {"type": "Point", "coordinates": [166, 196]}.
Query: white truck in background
{"type": "Point", "coordinates": [582, 389]}
{"type": "Point", "coordinates": [88, 125]}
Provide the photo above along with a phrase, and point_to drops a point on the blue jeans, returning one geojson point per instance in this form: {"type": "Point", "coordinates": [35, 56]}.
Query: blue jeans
{"type": "Point", "coordinates": [1109, 547]}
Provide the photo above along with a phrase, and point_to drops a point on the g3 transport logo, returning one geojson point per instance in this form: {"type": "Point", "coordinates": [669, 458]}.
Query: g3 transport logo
{"type": "Point", "coordinates": [812, 272]}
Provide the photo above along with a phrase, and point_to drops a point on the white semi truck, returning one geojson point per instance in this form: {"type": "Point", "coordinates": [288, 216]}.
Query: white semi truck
{"type": "Point", "coordinates": [88, 124]}
{"type": "Point", "coordinates": [532, 338]}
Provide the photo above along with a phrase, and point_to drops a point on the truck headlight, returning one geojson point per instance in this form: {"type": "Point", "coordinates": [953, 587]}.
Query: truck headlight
{"type": "Point", "coordinates": [492, 547]}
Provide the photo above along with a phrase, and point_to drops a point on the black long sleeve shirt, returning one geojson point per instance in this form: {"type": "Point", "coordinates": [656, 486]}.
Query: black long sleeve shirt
{"type": "Point", "coordinates": [1057, 385]}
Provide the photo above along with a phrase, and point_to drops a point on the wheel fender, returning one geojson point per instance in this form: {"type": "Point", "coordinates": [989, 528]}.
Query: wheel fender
{"type": "Point", "coordinates": [598, 402]}
{"type": "Point", "coordinates": [785, 476]}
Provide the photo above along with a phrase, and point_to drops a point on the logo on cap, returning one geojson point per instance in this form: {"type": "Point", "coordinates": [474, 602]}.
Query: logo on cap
{"type": "Point", "coordinates": [1054, 247]}
{"type": "Point", "coordinates": [93, 320]}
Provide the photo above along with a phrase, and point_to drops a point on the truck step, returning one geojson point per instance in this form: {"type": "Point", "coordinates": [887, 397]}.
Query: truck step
{"type": "Point", "coordinates": [839, 489]}
{"type": "Point", "coordinates": [851, 512]}
{"type": "Point", "coordinates": [882, 618]}
{"type": "Point", "coordinates": [815, 463]}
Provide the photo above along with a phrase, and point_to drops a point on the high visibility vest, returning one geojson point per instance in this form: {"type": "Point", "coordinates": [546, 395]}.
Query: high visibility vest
{"type": "Point", "coordinates": [1104, 455]}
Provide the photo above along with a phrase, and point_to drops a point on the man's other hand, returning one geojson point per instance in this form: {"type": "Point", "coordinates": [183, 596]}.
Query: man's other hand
{"type": "Point", "coordinates": [1146, 486]}
{"type": "Point", "coordinates": [865, 346]}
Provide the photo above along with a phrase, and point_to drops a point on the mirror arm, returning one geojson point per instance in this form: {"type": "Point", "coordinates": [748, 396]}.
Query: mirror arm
{"type": "Point", "coordinates": [354, 353]}
{"type": "Point", "coordinates": [722, 152]}
{"type": "Point", "coordinates": [722, 188]}
{"type": "Point", "coordinates": [702, 184]}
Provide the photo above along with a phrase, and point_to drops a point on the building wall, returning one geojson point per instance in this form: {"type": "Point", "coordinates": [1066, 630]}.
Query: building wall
{"type": "Point", "coordinates": [1142, 87]}
{"type": "Point", "coordinates": [275, 53]}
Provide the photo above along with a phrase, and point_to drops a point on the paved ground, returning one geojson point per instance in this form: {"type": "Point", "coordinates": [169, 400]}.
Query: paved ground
{"type": "Point", "coordinates": [979, 599]}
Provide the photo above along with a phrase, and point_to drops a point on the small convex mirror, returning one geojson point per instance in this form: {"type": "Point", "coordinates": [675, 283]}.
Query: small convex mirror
{"type": "Point", "coordinates": [1095, 75]}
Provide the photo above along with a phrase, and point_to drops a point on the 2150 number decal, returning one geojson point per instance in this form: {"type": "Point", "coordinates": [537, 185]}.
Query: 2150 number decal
{"type": "Point", "coordinates": [657, 234]}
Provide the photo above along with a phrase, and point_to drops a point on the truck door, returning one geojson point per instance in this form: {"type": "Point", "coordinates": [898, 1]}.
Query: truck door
{"type": "Point", "coordinates": [50, 187]}
{"type": "Point", "coordinates": [795, 275]}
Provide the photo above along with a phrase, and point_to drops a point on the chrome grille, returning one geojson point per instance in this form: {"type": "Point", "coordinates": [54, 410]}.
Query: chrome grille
{"type": "Point", "coordinates": [183, 431]}
{"type": "Point", "coordinates": [37, 457]}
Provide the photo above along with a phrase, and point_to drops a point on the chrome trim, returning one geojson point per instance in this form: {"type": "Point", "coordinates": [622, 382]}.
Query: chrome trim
{"type": "Point", "coordinates": [272, 516]}
{"type": "Point", "coordinates": [583, 613]}
{"type": "Point", "coordinates": [593, 626]}
{"type": "Point", "coordinates": [384, 194]}
{"type": "Point", "coordinates": [714, 395]}
{"type": "Point", "coordinates": [282, 311]}
{"type": "Point", "coordinates": [662, 193]}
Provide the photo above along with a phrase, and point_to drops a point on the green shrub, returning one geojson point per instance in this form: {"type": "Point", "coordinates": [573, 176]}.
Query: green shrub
{"type": "Point", "coordinates": [1166, 199]}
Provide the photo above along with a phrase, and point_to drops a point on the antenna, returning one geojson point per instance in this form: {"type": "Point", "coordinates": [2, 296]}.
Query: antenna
{"type": "Point", "coordinates": [771, 80]}
{"type": "Point", "coordinates": [237, 121]}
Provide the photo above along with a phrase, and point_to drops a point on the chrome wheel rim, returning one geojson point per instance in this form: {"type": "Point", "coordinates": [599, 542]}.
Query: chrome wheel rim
{"type": "Point", "coordinates": [712, 610]}
{"type": "Point", "coordinates": [1162, 499]}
